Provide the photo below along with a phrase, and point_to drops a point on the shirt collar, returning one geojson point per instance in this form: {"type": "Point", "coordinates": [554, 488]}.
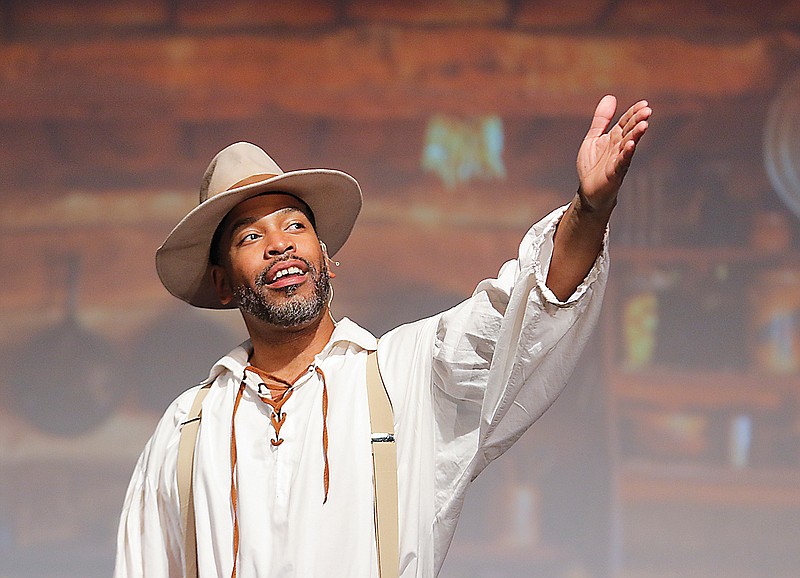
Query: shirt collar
{"type": "Point", "coordinates": [346, 332]}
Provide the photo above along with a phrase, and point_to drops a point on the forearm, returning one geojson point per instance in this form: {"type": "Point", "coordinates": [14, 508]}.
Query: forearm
{"type": "Point", "coordinates": [577, 243]}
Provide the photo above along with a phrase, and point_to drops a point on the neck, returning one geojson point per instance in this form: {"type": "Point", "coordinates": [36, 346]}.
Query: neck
{"type": "Point", "coordinates": [283, 352]}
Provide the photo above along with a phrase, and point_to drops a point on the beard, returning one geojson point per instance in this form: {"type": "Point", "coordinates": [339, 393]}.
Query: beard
{"type": "Point", "coordinates": [293, 310]}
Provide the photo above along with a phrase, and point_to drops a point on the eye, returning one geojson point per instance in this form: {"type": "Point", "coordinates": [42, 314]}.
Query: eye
{"type": "Point", "coordinates": [296, 226]}
{"type": "Point", "coordinates": [247, 238]}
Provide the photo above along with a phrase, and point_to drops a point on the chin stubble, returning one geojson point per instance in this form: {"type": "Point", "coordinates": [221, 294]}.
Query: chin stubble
{"type": "Point", "coordinates": [293, 310]}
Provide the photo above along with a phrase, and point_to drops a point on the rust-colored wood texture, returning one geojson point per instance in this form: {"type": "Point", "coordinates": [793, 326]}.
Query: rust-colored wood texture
{"type": "Point", "coordinates": [110, 112]}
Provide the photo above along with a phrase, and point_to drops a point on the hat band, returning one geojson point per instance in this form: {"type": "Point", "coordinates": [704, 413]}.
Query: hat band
{"type": "Point", "coordinates": [250, 180]}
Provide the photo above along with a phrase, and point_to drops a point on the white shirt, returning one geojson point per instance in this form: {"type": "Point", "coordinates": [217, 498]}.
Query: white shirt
{"type": "Point", "coordinates": [464, 385]}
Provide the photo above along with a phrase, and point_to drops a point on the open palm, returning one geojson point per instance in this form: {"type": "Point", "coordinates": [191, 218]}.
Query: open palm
{"type": "Point", "coordinates": [604, 157]}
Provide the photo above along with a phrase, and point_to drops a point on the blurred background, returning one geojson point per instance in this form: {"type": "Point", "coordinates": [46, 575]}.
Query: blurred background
{"type": "Point", "coordinates": [675, 450]}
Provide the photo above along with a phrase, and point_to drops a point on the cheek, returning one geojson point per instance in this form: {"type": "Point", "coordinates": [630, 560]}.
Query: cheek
{"type": "Point", "coordinates": [246, 260]}
{"type": "Point", "coordinates": [313, 252]}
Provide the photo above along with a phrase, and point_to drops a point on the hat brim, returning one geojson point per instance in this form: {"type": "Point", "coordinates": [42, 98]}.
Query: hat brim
{"type": "Point", "coordinates": [182, 261]}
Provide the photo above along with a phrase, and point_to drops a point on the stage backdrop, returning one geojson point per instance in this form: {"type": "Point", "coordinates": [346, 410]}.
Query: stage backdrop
{"type": "Point", "coordinates": [675, 450]}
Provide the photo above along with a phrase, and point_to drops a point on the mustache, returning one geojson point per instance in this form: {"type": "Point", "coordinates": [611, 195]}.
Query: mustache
{"type": "Point", "coordinates": [262, 278]}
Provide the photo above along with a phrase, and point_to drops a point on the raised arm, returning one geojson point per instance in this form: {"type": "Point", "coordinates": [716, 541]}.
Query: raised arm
{"type": "Point", "coordinates": [603, 160]}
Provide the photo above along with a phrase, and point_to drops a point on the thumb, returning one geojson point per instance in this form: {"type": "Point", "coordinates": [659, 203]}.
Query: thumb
{"type": "Point", "coordinates": [602, 116]}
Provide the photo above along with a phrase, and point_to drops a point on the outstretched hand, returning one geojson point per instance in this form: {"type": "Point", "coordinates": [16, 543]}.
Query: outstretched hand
{"type": "Point", "coordinates": [603, 160]}
{"type": "Point", "coordinates": [604, 157]}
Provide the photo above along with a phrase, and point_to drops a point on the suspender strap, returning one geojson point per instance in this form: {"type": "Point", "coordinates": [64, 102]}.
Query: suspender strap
{"type": "Point", "coordinates": [384, 463]}
{"type": "Point", "coordinates": [189, 429]}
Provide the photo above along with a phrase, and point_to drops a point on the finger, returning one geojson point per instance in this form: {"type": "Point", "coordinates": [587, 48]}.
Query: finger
{"type": "Point", "coordinates": [623, 160]}
{"type": "Point", "coordinates": [603, 114]}
{"type": "Point", "coordinates": [634, 130]}
{"type": "Point", "coordinates": [637, 131]}
{"type": "Point", "coordinates": [631, 112]}
{"type": "Point", "coordinates": [629, 146]}
{"type": "Point", "coordinates": [643, 114]}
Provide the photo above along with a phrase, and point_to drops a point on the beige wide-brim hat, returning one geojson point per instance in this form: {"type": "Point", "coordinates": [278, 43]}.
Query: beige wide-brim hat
{"type": "Point", "coordinates": [237, 173]}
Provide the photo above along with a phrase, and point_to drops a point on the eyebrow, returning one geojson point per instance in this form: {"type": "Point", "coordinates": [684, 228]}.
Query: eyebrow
{"type": "Point", "coordinates": [245, 221]}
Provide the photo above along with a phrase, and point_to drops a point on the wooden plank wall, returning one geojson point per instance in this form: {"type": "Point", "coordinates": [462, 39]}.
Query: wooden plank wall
{"type": "Point", "coordinates": [110, 112]}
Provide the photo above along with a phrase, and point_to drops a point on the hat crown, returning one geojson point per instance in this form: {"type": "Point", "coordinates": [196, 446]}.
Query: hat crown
{"type": "Point", "coordinates": [241, 161]}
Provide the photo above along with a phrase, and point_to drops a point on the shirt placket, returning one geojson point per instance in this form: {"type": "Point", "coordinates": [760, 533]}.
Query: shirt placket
{"type": "Point", "coordinates": [283, 449]}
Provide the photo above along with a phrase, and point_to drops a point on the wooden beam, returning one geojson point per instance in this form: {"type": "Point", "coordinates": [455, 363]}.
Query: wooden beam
{"type": "Point", "coordinates": [83, 14]}
{"type": "Point", "coordinates": [560, 15]}
{"type": "Point", "coordinates": [366, 73]}
{"type": "Point", "coordinates": [426, 12]}
{"type": "Point", "coordinates": [254, 13]}
{"type": "Point", "coordinates": [702, 17]}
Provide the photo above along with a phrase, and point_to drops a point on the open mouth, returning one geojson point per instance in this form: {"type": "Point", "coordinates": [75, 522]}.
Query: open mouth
{"type": "Point", "coordinates": [286, 273]}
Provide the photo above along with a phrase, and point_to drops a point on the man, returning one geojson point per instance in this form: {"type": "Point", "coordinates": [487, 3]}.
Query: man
{"type": "Point", "coordinates": [282, 482]}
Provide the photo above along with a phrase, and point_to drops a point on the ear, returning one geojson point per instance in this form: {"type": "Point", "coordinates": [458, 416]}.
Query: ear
{"type": "Point", "coordinates": [325, 256]}
{"type": "Point", "coordinates": [223, 287]}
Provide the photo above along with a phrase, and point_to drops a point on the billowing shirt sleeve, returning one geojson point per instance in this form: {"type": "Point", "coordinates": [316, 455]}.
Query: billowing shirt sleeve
{"type": "Point", "coordinates": [500, 359]}
{"type": "Point", "coordinates": [149, 538]}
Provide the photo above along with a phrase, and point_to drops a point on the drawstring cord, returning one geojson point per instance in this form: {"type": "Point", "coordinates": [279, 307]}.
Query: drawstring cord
{"type": "Point", "coordinates": [280, 394]}
{"type": "Point", "coordinates": [234, 497]}
{"type": "Point", "coordinates": [326, 476]}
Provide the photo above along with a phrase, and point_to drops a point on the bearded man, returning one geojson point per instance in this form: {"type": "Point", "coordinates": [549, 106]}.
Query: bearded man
{"type": "Point", "coordinates": [281, 477]}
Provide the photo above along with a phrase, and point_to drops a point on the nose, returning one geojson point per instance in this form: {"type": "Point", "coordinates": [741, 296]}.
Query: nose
{"type": "Point", "coordinates": [279, 244]}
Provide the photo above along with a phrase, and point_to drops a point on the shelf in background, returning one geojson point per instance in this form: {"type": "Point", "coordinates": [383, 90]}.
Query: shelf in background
{"type": "Point", "coordinates": [645, 481]}
{"type": "Point", "coordinates": [712, 389]}
{"type": "Point", "coordinates": [664, 254]}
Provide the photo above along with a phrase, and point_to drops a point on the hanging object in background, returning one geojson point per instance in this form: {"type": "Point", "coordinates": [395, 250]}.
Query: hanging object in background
{"type": "Point", "coordinates": [782, 145]}
{"type": "Point", "coordinates": [459, 151]}
{"type": "Point", "coordinates": [63, 376]}
{"type": "Point", "coordinates": [172, 355]}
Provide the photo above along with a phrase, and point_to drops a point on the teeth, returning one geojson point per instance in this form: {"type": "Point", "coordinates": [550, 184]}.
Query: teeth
{"type": "Point", "coordinates": [288, 271]}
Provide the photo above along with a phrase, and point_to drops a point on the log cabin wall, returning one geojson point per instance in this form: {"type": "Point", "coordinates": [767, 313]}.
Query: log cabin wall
{"type": "Point", "coordinates": [110, 112]}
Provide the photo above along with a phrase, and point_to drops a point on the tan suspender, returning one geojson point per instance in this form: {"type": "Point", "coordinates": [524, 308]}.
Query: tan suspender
{"type": "Point", "coordinates": [189, 429]}
{"type": "Point", "coordinates": [384, 464]}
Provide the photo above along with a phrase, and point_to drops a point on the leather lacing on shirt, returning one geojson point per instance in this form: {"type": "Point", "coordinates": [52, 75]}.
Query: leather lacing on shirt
{"type": "Point", "coordinates": [280, 391]}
